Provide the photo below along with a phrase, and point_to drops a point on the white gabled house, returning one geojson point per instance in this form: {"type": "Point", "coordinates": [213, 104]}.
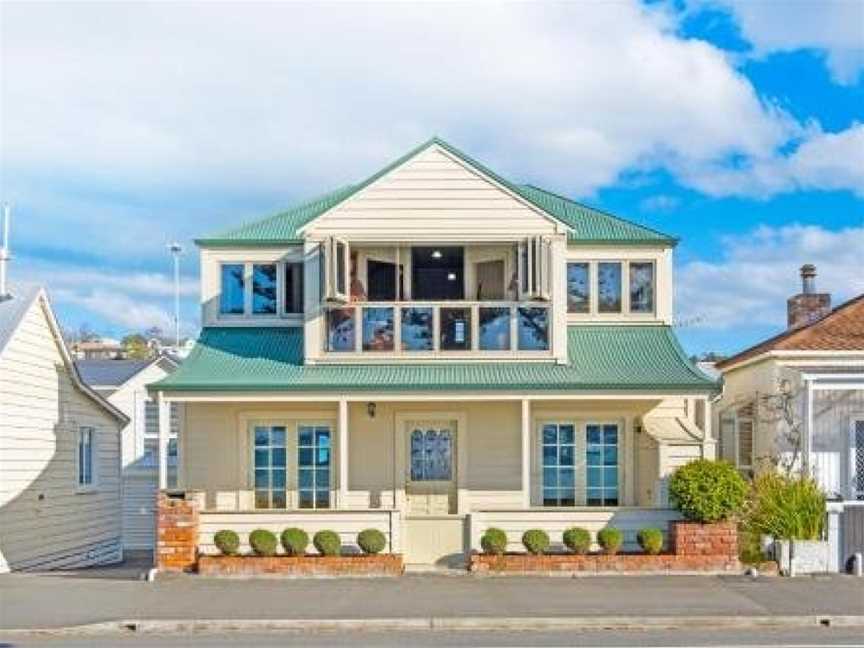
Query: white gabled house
{"type": "Point", "coordinates": [60, 487]}
{"type": "Point", "coordinates": [431, 352]}
{"type": "Point", "coordinates": [123, 383]}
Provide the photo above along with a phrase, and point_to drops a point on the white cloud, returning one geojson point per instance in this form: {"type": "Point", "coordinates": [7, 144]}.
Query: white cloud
{"type": "Point", "coordinates": [118, 308]}
{"type": "Point", "coordinates": [820, 161]}
{"type": "Point", "coordinates": [292, 98]}
{"type": "Point", "coordinates": [660, 203]}
{"type": "Point", "coordinates": [759, 271]}
{"type": "Point", "coordinates": [835, 27]}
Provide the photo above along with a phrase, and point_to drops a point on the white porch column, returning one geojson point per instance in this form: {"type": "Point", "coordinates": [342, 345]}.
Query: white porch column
{"type": "Point", "coordinates": [526, 453]}
{"type": "Point", "coordinates": [342, 499]}
{"type": "Point", "coordinates": [806, 442]}
{"type": "Point", "coordinates": [164, 431]}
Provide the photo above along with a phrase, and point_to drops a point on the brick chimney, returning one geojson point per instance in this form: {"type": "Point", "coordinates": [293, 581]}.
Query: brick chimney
{"type": "Point", "coordinates": [807, 306]}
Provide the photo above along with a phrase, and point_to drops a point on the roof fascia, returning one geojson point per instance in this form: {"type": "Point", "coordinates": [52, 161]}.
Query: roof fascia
{"type": "Point", "coordinates": [56, 332]}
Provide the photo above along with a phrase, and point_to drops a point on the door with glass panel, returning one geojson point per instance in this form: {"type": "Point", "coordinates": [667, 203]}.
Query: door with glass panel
{"type": "Point", "coordinates": [430, 485]}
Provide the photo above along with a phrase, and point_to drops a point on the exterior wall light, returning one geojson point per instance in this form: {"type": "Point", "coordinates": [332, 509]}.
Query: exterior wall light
{"type": "Point", "coordinates": [370, 409]}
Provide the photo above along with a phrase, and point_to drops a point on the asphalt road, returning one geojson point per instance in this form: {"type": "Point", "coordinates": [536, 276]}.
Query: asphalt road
{"type": "Point", "coordinates": [759, 638]}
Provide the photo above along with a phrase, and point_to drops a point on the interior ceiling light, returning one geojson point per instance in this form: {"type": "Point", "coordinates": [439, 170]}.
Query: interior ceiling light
{"type": "Point", "coordinates": [436, 254]}
{"type": "Point", "coordinates": [451, 276]}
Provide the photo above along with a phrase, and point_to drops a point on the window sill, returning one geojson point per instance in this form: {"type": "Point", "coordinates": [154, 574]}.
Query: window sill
{"type": "Point", "coordinates": [86, 490]}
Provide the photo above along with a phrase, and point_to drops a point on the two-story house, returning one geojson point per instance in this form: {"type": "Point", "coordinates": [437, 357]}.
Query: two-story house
{"type": "Point", "coordinates": [433, 351]}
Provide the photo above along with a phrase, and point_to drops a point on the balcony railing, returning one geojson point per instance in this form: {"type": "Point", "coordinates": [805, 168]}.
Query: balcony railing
{"type": "Point", "coordinates": [417, 328]}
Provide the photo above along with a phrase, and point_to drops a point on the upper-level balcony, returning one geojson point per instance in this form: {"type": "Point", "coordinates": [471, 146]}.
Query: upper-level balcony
{"type": "Point", "coordinates": [438, 301]}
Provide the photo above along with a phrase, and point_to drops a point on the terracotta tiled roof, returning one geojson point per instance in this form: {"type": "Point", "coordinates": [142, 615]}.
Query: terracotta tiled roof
{"type": "Point", "coordinates": [840, 330]}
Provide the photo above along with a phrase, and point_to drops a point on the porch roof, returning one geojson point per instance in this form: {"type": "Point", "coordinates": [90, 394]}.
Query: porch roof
{"type": "Point", "coordinates": [602, 358]}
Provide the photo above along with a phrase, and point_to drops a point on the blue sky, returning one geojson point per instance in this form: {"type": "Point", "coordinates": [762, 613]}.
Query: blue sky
{"type": "Point", "coordinates": [125, 126]}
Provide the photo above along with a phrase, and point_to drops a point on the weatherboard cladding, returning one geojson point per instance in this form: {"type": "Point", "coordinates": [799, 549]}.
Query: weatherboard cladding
{"type": "Point", "coordinates": [587, 225]}
{"type": "Point", "coordinates": [623, 358]}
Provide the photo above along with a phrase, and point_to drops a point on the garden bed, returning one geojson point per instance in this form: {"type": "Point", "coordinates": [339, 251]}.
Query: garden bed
{"type": "Point", "coordinates": [300, 566]}
{"type": "Point", "coordinates": [573, 564]}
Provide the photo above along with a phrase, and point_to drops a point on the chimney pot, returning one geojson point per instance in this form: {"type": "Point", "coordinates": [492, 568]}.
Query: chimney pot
{"type": "Point", "coordinates": [808, 306]}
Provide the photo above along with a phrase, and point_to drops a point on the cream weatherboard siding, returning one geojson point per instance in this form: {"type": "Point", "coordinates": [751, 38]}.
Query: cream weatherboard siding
{"type": "Point", "coordinates": [45, 521]}
{"type": "Point", "coordinates": [215, 453]}
{"type": "Point", "coordinates": [433, 195]}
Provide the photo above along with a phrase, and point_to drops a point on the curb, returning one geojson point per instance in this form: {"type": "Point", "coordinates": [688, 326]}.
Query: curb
{"type": "Point", "coordinates": [168, 626]}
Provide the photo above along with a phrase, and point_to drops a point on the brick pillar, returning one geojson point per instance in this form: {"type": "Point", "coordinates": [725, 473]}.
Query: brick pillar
{"type": "Point", "coordinates": [695, 539]}
{"type": "Point", "coordinates": [176, 533]}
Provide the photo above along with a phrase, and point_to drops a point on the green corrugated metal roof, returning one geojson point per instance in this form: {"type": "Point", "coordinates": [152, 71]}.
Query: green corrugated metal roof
{"type": "Point", "coordinates": [624, 358]}
{"type": "Point", "coordinates": [588, 225]}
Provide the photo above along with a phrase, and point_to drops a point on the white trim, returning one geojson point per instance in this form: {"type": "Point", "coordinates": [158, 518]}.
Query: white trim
{"type": "Point", "coordinates": [429, 396]}
{"type": "Point", "coordinates": [526, 453]}
{"type": "Point", "coordinates": [342, 454]}
{"type": "Point", "coordinates": [792, 355]}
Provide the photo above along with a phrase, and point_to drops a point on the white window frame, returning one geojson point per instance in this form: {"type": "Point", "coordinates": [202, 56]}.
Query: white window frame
{"type": "Point", "coordinates": [247, 288]}
{"type": "Point", "coordinates": [288, 458]}
{"type": "Point", "coordinates": [248, 279]}
{"type": "Point", "coordinates": [629, 284]}
{"type": "Point", "coordinates": [278, 289]}
{"type": "Point", "coordinates": [88, 485]}
{"type": "Point", "coordinates": [853, 491]}
{"type": "Point", "coordinates": [623, 288]}
{"type": "Point", "coordinates": [537, 251]}
{"type": "Point", "coordinates": [330, 468]}
{"type": "Point", "coordinates": [332, 270]}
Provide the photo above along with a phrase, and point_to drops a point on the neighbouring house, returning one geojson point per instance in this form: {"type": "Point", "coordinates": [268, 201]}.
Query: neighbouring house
{"type": "Point", "coordinates": [60, 487]}
{"type": "Point", "coordinates": [797, 400]}
{"type": "Point", "coordinates": [124, 384]}
{"type": "Point", "coordinates": [430, 352]}
{"type": "Point", "coordinates": [103, 349]}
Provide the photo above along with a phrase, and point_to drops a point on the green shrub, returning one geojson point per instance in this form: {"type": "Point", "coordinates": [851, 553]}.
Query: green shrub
{"type": "Point", "coordinates": [227, 541]}
{"type": "Point", "coordinates": [787, 508]}
{"type": "Point", "coordinates": [327, 543]}
{"type": "Point", "coordinates": [610, 539]}
{"type": "Point", "coordinates": [494, 541]}
{"type": "Point", "coordinates": [536, 541]}
{"type": "Point", "coordinates": [263, 542]}
{"type": "Point", "coordinates": [578, 540]}
{"type": "Point", "coordinates": [651, 540]}
{"type": "Point", "coordinates": [295, 541]}
{"type": "Point", "coordinates": [708, 491]}
{"type": "Point", "coordinates": [371, 541]}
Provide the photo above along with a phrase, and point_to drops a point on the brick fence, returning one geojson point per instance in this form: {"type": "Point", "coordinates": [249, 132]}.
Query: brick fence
{"type": "Point", "coordinates": [176, 533]}
{"type": "Point", "coordinates": [703, 548]}
{"type": "Point", "coordinates": [694, 539]}
{"type": "Point", "coordinates": [361, 565]}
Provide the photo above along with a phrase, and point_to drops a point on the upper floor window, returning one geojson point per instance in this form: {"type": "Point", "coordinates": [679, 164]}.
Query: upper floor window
{"type": "Point", "coordinates": [261, 289]}
{"type": "Point", "coordinates": [578, 288]}
{"type": "Point", "coordinates": [264, 289]}
{"type": "Point", "coordinates": [231, 299]}
{"type": "Point", "coordinates": [641, 287]}
{"type": "Point", "coordinates": [293, 286]}
{"type": "Point", "coordinates": [609, 287]}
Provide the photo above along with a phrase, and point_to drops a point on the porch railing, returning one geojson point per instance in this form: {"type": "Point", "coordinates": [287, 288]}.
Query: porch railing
{"type": "Point", "coordinates": [418, 328]}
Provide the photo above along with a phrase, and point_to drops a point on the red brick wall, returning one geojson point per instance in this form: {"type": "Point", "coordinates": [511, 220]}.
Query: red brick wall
{"type": "Point", "coordinates": [600, 563]}
{"type": "Point", "coordinates": [694, 539]}
{"type": "Point", "coordinates": [377, 565]}
{"type": "Point", "coordinates": [176, 533]}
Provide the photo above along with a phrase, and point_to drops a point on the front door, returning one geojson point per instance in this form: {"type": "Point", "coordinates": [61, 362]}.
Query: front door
{"type": "Point", "coordinates": [430, 486]}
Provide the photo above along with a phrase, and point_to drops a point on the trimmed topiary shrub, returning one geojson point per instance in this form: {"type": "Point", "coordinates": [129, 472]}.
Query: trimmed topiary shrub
{"type": "Point", "coordinates": [295, 541]}
{"type": "Point", "coordinates": [651, 541]}
{"type": "Point", "coordinates": [611, 539]}
{"type": "Point", "coordinates": [494, 541]}
{"type": "Point", "coordinates": [371, 541]}
{"type": "Point", "coordinates": [263, 542]}
{"type": "Point", "coordinates": [577, 540]}
{"type": "Point", "coordinates": [227, 541]}
{"type": "Point", "coordinates": [327, 543]}
{"type": "Point", "coordinates": [536, 541]}
{"type": "Point", "coordinates": [707, 491]}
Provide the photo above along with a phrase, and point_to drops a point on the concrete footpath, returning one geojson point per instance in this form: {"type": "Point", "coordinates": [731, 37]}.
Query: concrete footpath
{"type": "Point", "coordinates": [53, 601]}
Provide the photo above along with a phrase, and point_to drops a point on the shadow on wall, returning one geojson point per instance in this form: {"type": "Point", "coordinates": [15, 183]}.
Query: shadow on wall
{"type": "Point", "coordinates": [49, 523]}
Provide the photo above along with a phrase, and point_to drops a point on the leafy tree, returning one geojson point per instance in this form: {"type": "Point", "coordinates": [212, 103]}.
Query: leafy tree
{"type": "Point", "coordinates": [135, 346]}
